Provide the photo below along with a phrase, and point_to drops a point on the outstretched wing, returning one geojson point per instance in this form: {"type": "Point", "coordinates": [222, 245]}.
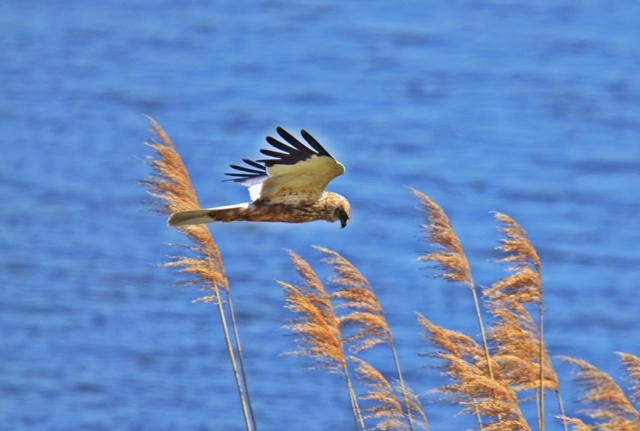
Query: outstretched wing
{"type": "Point", "coordinates": [296, 174]}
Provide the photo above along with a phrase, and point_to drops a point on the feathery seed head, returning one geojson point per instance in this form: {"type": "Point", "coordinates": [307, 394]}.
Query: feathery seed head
{"type": "Point", "coordinates": [450, 257]}
{"type": "Point", "coordinates": [632, 367]}
{"type": "Point", "coordinates": [607, 402]}
{"type": "Point", "coordinates": [172, 188]}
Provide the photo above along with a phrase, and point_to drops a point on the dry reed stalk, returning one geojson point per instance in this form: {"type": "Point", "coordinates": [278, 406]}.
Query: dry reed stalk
{"type": "Point", "coordinates": [607, 402]}
{"type": "Point", "coordinates": [479, 394]}
{"type": "Point", "coordinates": [473, 388]}
{"type": "Point", "coordinates": [388, 408]}
{"type": "Point", "coordinates": [318, 328]}
{"type": "Point", "coordinates": [171, 186]}
{"type": "Point", "coordinates": [415, 406]}
{"type": "Point", "coordinates": [463, 361]}
{"type": "Point", "coordinates": [515, 341]}
{"type": "Point", "coordinates": [367, 316]}
{"type": "Point", "coordinates": [450, 257]}
{"type": "Point", "coordinates": [632, 368]}
{"type": "Point", "coordinates": [507, 298]}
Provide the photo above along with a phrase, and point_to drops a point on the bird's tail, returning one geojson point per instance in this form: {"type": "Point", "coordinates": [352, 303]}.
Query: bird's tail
{"type": "Point", "coordinates": [207, 215]}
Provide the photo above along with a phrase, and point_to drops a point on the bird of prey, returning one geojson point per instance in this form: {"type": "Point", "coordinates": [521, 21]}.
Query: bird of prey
{"type": "Point", "coordinates": [289, 187]}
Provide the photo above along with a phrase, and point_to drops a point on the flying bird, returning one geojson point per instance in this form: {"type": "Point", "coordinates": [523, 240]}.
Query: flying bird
{"type": "Point", "coordinates": [289, 187]}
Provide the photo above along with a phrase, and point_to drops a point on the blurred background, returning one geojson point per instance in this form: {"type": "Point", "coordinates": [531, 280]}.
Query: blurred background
{"type": "Point", "coordinates": [530, 108]}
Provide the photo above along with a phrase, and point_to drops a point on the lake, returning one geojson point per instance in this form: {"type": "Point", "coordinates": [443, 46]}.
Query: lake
{"type": "Point", "coordinates": [527, 108]}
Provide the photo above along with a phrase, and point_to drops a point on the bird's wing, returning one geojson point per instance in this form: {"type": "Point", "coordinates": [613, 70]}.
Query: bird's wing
{"type": "Point", "coordinates": [297, 174]}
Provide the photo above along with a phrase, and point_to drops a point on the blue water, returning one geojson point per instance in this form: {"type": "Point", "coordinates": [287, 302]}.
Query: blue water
{"type": "Point", "coordinates": [528, 108]}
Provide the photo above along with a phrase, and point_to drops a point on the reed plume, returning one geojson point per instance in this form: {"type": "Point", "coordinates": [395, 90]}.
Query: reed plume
{"type": "Point", "coordinates": [450, 342]}
{"type": "Point", "coordinates": [449, 257]}
{"type": "Point", "coordinates": [524, 284]}
{"type": "Point", "coordinates": [515, 342]}
{"type": "Point", "coordinates": [387, 408]}
{"type": "Point", "coordinates": [632, 368]}
{"type": "Point", "coordinates": [318, 328]}
{"type": "Point", "coordinates": [366, 316]}
{"type": "Point", "coordinates": [606, 402]}
{"type": "Point", "coordinates": [173, 190]}
{"type": "Point", "coordinates": [472, 388]}
{"type": "Point", "coordinates": [518, 341]}
{"type": "Point", "coordinates": [356, 293]}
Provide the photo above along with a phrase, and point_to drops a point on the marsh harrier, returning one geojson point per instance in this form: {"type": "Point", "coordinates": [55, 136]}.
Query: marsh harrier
{"type": "Point", "coordinates": [289, 187]}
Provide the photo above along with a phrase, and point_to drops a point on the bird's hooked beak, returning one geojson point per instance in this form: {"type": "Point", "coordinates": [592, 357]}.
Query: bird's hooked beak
{"type": "Point", "coordinates": [344, 221]}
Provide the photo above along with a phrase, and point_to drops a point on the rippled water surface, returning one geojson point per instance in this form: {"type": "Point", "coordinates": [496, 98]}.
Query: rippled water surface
{"type": "Point", "coordinates": [527, 108]}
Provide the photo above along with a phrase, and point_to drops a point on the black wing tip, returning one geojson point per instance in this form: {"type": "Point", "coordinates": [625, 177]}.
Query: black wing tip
{"type": "Point", "coordinates": [255, 167]}
{"type": "Point", "coordinates": [254, 164]}
{"type": "Point", "coordinates": [296, 146]}
{"type": "Point", "coordinates": [283, 133]}
{"type": "Point", "coordinates": [290, 153]}
{"type": "Point", "coordinates": [244, 173]}
{"type": "Point", "coordinates": [314, 143]}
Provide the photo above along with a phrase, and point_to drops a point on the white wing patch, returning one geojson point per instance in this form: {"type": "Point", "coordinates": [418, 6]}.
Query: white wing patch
{"type": "Point", "coordinates": [254, 191]}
